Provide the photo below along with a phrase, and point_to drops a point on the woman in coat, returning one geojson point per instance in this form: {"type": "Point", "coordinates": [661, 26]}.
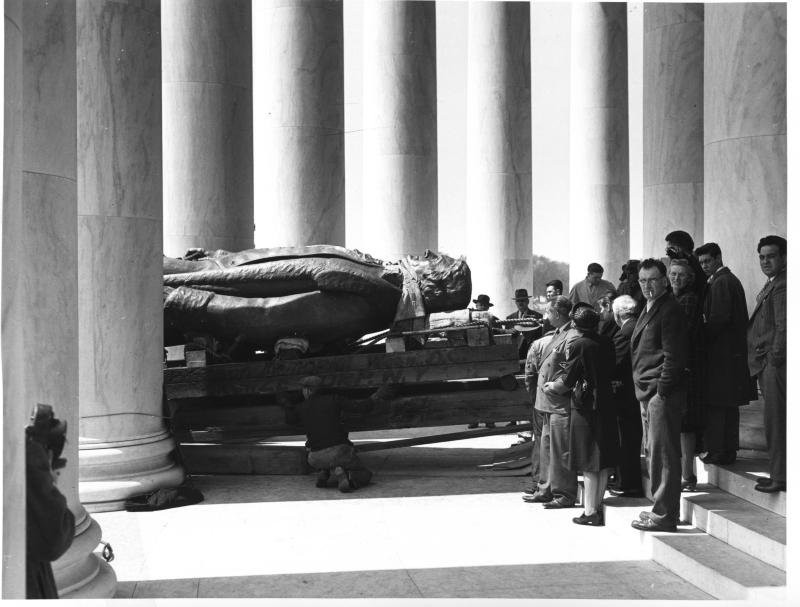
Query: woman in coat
{"type": "Point", "coordinates": [593, 437]}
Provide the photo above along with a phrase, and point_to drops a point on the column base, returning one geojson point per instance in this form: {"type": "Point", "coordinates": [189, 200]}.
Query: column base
{"type": "Point", "coordinates": [80, 573]}
{"type": "Point", "coordinates": [112, 472]}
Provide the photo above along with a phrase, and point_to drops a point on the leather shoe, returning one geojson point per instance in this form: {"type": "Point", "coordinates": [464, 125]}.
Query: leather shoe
{"type": "Point", "coordinates": [718, 459]}
{"type": "Point", "coordinates": [771, 487]}
{"type": "Point", "coordinates": [650, 525]}
{"type": "Point", "coordinates": [592, 520]}
{"type": "Point", "coordinates": [536, 498]}
{"type": "Point", "coordinates": [763, 480]}
{"type": "Point", "coordinates": [626, 492]}
{"type": "Point", "coordinates": [556, 504]}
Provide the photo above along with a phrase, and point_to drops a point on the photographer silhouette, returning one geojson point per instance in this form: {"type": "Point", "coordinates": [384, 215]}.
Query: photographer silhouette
{"type": "Point", "coordinates": [50, 526]}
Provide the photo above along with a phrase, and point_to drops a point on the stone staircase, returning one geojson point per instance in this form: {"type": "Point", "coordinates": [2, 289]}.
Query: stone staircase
{"type": "Point", "coordinates": [736, 548]}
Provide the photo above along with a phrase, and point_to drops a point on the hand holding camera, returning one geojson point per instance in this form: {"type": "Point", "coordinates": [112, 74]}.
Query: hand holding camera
{"type": "Point", "coordinates": [50, 432]}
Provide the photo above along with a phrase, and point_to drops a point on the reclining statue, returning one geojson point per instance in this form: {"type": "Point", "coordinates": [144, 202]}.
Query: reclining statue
{"type": "Point", "coordinates": [320, 294]}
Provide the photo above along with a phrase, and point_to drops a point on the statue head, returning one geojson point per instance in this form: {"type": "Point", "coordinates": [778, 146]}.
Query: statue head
{"type": "Point", "coordinates": [445, 282]}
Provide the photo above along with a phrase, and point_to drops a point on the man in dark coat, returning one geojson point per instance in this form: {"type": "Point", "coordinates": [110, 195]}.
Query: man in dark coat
{"type": "Point", "coordinates": [629, 417]}
{"type": "Point", "coordinates": [324, 417]}
{"type": "Point", "coordinates": [766, 337]}
{"type": "Point", "coordinates": [50, 526]}
{"type": "Point", "coordinates": [727, 382]}
{"type": "Point", "coordinates": [659, 351]}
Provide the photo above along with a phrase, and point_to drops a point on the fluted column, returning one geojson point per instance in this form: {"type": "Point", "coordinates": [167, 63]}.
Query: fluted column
{"type": "Point", "coordinates": [399, 214]}
{"type": "Point", "coordinates": [40, 290]}
{"type": "Point", "coordinates": [745, 132]}
{"type": "Point", "coordinates": [208, 125]}
{"type": "Point", "coordinates": [599, 191]}
{"type": "Point", "coordinates": [299, 99]}
{"type": "Point", "coordinates": [499, 150]}
{"type": "Point", "coordinates": [125, 447]}
{"type": "Point", "coordinates": [673, 122]}
{"type": "Point", "coordinates": [13, 309]}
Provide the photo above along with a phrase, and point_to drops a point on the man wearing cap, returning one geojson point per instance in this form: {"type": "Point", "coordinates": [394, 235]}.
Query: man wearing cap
{"type": "Point", "coordinates": [529, 334]}
{"type": "Point", "coordinates": [592, 288]}
{"type": "Point", "coordinates": [324, 416]}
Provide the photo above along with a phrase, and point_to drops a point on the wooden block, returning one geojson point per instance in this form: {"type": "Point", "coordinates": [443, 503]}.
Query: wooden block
{"type": "Point", "coordinates": [175, 356]}
{"type": "Point", "coordinates": [477, 336]}
{"type": "Point", "coordinates": [395, 344]}
{"type": "Point", "coordinates": [195, 358]}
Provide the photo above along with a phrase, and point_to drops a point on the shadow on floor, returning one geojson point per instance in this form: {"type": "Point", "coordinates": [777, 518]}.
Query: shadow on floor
{"type": "Point", "coordinates": [581, 580]}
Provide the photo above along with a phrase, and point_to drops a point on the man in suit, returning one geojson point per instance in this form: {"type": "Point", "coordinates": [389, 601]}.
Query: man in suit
{"type": "Point", "coordinates": [629, 417]}
{"type": "Point", "coordinates": [558, 486]}
{"type": "Point", "coordinates": [727, 377]}
{"type": "Point", "coordinates": [659, 352]}
{"type": "Point", "coordinates": [766, 338]}
{"type": "Point", "coordinates": [521, 300]}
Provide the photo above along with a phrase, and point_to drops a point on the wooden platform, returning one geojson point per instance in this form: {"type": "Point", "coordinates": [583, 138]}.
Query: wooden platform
{"type": "Point", "coordinates": [347, 371]}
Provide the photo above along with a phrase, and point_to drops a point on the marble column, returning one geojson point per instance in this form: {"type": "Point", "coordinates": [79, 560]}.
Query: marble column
{"type": "Point", "coordinates": [673, 122]}
{"type": "Point", "coordinates": [745, 132]}
{"type": "Point", "coordinates": [299, 100]}
{"type": "Point", "coordinates": [599, 190]}
{"type": "Point", "coordinates": [399, 214]}
{"type": "Point", "coordinates": [208, 125]}
{"type": "Point", "coordinates": [40, 293]}
{"type": "Point", "coordinates": [498, 210]}
{"type": "Point", "coordinates": [13, 310]}
{"type": "Point", "coordinates": [125, 448]}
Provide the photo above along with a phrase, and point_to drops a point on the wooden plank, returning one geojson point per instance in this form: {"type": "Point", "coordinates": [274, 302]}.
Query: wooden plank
{"type": "Point", "coordinates": [438, 438]}
{"type": "Point", "coordinates": [411, 411]}
{"type": "Point", "coordinates": [244, 459]}
{"type": "Point", "coordinates": [358, 370]}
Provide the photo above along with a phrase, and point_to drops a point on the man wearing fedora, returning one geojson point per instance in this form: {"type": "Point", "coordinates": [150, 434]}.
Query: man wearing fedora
{"type": "Point", "coordinates": [482, 304]}
{"type": "Point", "coordinates": [529, 334]}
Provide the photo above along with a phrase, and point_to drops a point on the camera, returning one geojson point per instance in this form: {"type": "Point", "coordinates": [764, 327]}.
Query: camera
{"type": "Point", "coordinates": [675, 253]}
{"type": "Point", "coordinates": [49, 431]}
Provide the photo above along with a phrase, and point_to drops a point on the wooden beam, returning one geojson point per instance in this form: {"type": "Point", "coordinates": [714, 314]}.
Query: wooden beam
{"type": "Point", "coordinates": [350, 371]}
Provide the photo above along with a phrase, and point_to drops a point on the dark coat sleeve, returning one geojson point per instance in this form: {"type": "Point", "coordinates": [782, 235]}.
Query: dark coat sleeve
{"type": "Point", "coordinates": [50, 525]}
{"type": "Point", "coordinates": [778, 352]}
{"type": "Point", "coordinates": [675, 346]}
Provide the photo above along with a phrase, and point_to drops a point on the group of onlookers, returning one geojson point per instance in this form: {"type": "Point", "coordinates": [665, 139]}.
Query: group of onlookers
{"type": "Point", "coordinates": [663, 360]}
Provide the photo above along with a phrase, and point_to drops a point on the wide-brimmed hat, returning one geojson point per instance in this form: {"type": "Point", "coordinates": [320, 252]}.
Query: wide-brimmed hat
{"type": "Point", "coordinates": [483, 299]}
{"type": "Point", "coordinates": [521, 294]}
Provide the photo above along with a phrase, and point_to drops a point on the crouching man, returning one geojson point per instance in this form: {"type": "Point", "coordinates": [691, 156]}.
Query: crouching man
{"type": "Point", "coordinates": [324, 416]}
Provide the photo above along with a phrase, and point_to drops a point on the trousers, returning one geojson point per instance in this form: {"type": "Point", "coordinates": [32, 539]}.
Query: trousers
{"type": "Point", "coordinates": [721, 433]}
{"type": "Point", "coordinates": [343, 456]}
{"type": "Point", "coordinates": [772, 381]}
{"type": "Point", "coordinates": [661, 428]}
{"type": "Point", "coordinates": [555, 477]}
{"type": "Point", "coordinates": [629, 424]}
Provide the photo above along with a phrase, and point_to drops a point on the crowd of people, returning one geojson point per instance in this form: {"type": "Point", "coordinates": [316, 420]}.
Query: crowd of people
{"type": "Point", "coordinates": [661, 362]}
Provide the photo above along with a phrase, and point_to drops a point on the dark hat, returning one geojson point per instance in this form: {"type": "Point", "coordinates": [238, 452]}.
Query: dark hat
{"type": "Point", "coordinates": [585, 318]}
{"type": "Point", "coordinates": [483, 299]}
{"type": "Point", "coordinates": [311, 381]}
{"type": "Point", "coordinates": [521, 294]}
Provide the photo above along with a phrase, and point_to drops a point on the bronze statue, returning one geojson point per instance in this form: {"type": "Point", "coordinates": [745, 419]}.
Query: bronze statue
{"type": "Point", "coordinates": [321, 293]}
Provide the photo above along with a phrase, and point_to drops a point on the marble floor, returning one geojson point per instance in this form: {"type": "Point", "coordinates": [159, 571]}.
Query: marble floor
{"type": "Point", "coordinates": [432, 525]}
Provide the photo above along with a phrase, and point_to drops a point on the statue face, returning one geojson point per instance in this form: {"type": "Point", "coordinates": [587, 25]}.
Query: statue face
{"type": "Point", "coordinates": [444, 281]}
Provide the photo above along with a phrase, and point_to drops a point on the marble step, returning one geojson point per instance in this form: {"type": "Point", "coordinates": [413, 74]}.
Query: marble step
{"type": "Point", "coordinates": [739, 479]}
{"type": "Point", "coordinates": [751, 529]}
{"type": "Point", "coordinates": [717, 568]}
